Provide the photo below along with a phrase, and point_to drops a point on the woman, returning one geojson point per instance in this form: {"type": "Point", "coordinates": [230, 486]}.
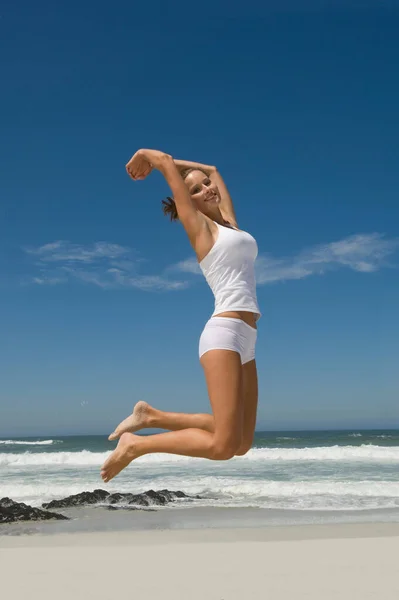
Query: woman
{"type": "Point", "coordinates": [226, 256]}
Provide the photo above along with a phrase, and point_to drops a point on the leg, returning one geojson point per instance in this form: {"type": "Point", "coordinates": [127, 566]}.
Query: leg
{"type": "Point", "coordinates": [250, 384]}
{"type": "Point", "coordinates": [223, 374]}
{"type": "Point", "coordinates": [175, 421]}
{"type": "Point", "coordinates": [145, 416]}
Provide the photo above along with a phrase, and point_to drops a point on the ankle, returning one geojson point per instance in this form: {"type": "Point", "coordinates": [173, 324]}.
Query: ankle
{"type": "Point", "coordinates": [132, 444]}
{"type": "Point", "coordinates": [152, 420]}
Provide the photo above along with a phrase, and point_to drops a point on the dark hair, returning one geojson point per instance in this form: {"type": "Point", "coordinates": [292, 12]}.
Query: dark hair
{"type": "Point", "coordinates": [169, 205]}
{"type": "Point", "coordinates": [169, 208]}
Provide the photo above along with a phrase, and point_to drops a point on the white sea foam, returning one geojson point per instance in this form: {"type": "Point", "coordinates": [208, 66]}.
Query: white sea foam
{"type": "Point", "coordinates": [296, 489]}
{"type": "Point", "coordinates": [323, 478]}
{"type": "Point", "coordinates": [85, 458]}
{"type": "Point", "coordinates": [365, 452]}
{"type": "Point", "coordinates": [226, 491]}
{"type": "Point", "coordinates": [26, 443]}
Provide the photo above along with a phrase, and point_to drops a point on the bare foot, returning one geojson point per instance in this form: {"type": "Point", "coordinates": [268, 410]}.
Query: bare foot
{"type": "Point", "coordinates": [125, 452]}
{"type": "Point", "coordinates": [139, 419]}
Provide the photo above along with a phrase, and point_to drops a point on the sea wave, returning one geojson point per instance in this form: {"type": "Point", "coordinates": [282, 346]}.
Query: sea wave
{"type": "Point", "coordinates": [85, 458]}
{"type": "Point", "coordinates": [287, 489]}
{"type": "Point", "coordinates": [365, 452]}
{"type": "Point", "coordinates": [26, 443]}
{"type": "Point", "coordinates": [227, 491]}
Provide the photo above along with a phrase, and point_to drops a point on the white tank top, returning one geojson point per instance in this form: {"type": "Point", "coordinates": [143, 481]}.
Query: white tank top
{"type": "Point", "coordinates": [229, 269]}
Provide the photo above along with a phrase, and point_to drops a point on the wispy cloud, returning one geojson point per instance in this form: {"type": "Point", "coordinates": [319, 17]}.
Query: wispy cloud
{"type": "Point", "coordinates": [68, 252]}
{"type": "Point", "coordinates": [110, 266]}
{"type": "Point", "coordinates": [101, 264]}
{"type": "Point", "coordinates": [190, 265]}
{"type": "Point", "coordinates": [363, 252]}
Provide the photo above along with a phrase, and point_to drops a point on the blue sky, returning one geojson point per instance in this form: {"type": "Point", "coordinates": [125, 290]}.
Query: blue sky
{"type": "Point", "coordinates": [101, 305]}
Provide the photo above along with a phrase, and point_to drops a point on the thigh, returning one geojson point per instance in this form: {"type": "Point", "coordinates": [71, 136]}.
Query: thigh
{"type": "Point", "coordinates": [250, 393]}
{"type": "Point", "coordinates": [224, 379]}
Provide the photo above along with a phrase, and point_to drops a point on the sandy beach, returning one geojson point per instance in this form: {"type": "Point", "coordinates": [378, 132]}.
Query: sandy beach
{"type": "Point", "coordinates": [349, 562]}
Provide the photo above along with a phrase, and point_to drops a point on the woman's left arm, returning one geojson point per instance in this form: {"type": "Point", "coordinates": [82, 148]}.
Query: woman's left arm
{"type": "Point", "coordinates": [226, 203]}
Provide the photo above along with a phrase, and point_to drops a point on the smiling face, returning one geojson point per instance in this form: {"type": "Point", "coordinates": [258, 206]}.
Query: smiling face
{"type": "Point", "coordinates": [203, 192]}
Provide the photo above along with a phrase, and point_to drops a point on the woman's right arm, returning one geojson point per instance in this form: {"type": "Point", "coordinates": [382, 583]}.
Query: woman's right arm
{"type": "Point", "coordinates": [226, 203]}
{"type": "Point", "coordinates": [141, 164]}
{"type": "Point", "coordinates": [188, 164]}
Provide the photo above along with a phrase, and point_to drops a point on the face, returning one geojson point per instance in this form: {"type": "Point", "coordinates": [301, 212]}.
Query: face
{"type": "Point", "coordinates": [204, 193]}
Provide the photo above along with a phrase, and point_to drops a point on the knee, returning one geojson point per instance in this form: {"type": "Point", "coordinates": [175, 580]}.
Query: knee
{"type": "Point", "coordinates": [244, 448]}
{"type": "Point", "coordinates": [225, 450]}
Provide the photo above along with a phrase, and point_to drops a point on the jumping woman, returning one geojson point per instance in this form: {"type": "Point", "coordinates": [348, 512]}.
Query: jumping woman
{"type": "Point", "coordinates": [226, 255]}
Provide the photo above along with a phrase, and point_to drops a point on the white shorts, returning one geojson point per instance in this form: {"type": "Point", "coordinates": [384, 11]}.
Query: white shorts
{"type": "Point", "coordinates": [226, 333]}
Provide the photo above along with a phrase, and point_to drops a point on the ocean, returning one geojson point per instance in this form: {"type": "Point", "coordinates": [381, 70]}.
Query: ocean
{"type": "Point", "coordinates": [325, 472]}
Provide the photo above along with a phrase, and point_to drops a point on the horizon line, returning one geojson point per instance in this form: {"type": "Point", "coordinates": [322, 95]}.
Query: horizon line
{"type": "Point", "coordinates": [257, 431]}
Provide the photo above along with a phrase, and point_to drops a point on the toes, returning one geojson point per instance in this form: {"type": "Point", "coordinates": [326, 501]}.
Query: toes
{"type": "Point", "coordinates": [105, 476]}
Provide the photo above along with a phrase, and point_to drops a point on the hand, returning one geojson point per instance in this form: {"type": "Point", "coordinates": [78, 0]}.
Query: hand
{"type": "Point", "coordinates": [142, 163]}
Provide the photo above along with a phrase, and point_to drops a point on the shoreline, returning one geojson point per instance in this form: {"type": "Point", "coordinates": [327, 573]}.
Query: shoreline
{"type": "Point", "coordinates": [98, 519]}
{"type": "Point", "coordinates": [278, 533]}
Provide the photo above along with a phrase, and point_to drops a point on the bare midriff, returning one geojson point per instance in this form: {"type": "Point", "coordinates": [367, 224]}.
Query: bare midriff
{"type": "Point", "coordinates": [248, 317]}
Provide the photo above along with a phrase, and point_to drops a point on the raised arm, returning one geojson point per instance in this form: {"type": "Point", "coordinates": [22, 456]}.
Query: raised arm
{"type": "Point", "coordinates": [142, 163]}
{"type": "Point", "coordinates": [226, 203]}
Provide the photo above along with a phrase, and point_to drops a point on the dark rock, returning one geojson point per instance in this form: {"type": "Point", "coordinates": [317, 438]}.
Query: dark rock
{"type": "Point", "coordinates": [119, 498]}
{"type": "Point", "coordinates": [112, 507]}
{"type": "Point", "coordinates": [150, 498]}
{"type": "Point", "coordinates": [83, 499]}
{"type": "Point", "coordinates": [158, 498]}
{"type": "Point", "coordinates": [11, 511]}
{"type": "Point", "coordinates": [171, 496]}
